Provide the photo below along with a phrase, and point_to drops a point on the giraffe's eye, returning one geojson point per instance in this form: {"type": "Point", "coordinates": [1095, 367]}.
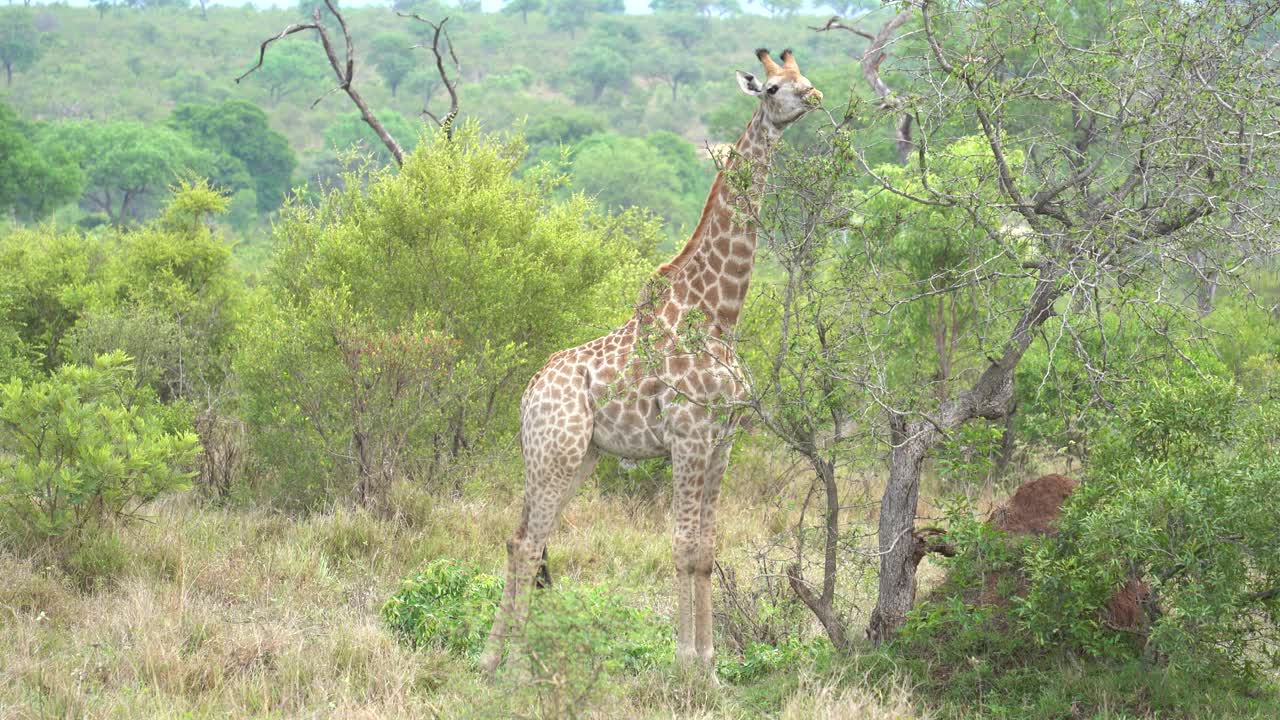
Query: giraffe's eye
{"type": "Point", "coordinates": [773, 90]}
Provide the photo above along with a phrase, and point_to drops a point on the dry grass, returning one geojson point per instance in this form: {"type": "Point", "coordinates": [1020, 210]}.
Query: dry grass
{"type": "Point", "coordinates": [246, 613]}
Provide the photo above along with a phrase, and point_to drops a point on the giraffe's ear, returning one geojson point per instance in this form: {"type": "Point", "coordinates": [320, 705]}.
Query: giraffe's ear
{"type": "Point", "coordinates": [749, 84]}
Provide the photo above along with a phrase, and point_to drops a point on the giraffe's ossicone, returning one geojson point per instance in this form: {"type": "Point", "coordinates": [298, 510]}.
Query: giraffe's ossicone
{"type": "Point", "coordinates": [663, 385]}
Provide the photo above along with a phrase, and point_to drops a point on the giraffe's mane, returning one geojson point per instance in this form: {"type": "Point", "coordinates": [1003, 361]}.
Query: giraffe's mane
{"type": "Point", "coordinates": [672, 266]}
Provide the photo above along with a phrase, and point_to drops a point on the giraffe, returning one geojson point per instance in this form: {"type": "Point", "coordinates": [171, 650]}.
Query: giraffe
{"type": "Point", "coordinates": [643, 392]}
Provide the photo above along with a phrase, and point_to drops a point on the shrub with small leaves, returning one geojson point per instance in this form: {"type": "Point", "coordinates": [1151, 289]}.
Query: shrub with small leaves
{"type": "Point", "coordinates": [1180, 494]}
{"type": "Point", "coordinates": [447, 605]}
{"type": "Point", "coordinates": [81, 447]}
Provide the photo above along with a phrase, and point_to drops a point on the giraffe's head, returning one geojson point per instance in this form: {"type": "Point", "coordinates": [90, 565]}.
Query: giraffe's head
{"type": "Point", "coordinates": [785, 95]}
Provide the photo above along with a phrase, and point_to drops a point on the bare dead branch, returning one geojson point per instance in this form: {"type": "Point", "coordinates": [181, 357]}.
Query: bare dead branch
{"type": "Point", "coordinates": [835, 24]}
{"type": "Point", "coordinates": [451, 85]}
{"type": "Point", "coordinates": [262, 50]}
{"type": "Point", "coordinates": [345, 71]}
{"type": "Point", "coordinates": [871, 60]}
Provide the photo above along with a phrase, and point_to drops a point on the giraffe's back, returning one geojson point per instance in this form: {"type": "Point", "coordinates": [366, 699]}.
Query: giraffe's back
{"type": "Point", "coordinates": [633, 403]}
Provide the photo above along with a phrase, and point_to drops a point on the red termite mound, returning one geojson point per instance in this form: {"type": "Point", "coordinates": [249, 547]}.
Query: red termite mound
{"type": "Point", "coordinates": [1033, 509]}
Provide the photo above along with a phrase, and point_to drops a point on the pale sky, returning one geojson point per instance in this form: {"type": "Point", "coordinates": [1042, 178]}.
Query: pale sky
{"type": "Point", "coordinates": [633, 6]}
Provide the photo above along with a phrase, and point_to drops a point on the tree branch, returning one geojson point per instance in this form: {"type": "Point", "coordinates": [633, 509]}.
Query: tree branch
{"type": "Point", "coordinates": [872, 57]}
{"type": "Point", "coordinates": [450, 85]}
{"type": "Point", "coordinates": [345, 71]}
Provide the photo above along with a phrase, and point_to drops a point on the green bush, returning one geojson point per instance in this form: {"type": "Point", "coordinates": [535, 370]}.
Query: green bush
{"type": "Point", "coordinates": [1180, 494]}
{"type": "Point", "coordinates": [404, 312]}
{"type": "Point", "coordinates": [83, 447]}
{"type": "Point", "coordinates": [451, 606]}
{"type": "Point", "coordinates": [761, 659]}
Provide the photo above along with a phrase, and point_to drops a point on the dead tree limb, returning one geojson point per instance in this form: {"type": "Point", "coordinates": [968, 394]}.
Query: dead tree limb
{"type": "Point", "coordinates": [438, 29]}
{"type": "Point", "coordinates": [345, 71]}
{"type": "Point", "coordinates": [871, 59]}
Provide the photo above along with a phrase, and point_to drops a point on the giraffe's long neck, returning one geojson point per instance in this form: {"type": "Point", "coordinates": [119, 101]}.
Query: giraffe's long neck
{"type": "Point", "coordinates": [713, 270]}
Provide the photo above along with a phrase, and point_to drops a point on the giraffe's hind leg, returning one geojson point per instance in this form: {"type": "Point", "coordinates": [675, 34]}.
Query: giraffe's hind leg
{"type": "Point", "coordinates": [543, 578]}
{"type": "Point", "coordinates": [558, 457]}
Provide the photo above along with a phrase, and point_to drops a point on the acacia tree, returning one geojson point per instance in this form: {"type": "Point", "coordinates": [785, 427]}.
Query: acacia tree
{"type": "Point", "coordinates": [521, 7]}
{"type": "Point", "coordinates": [1066, 168]}
{"type": "Point", "coordinates": [392, 55]}
{"type": "Point", "coordinates": [1116, 141]}
{"type": "Point", "coordinates": [126, 165]}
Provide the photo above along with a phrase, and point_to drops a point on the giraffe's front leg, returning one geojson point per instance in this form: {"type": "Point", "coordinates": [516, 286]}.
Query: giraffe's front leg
{"type": "Point", "coordinates": [691, 460]}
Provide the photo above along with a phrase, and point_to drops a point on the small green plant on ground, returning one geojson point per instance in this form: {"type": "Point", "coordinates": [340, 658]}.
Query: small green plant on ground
{"type": "Point", "coordinates": [450, 605]}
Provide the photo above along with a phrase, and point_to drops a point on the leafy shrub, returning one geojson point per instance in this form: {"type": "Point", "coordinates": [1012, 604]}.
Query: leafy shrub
{"type": "Point", "coordinates": [1179, 494]}
{"type": "Point", "coordinates": [451, 606]}
{"type": "Point", "coordinates": [447, 605]}
{"type": "Point", "coordinates": [479, 273]}
{"type": "Point", "coordinates": [82, 447]}
{"type": "Point", "coordinates": [761, 659]}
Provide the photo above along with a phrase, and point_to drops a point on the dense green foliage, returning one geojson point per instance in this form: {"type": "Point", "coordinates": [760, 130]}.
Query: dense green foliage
{"type": "Point", "coordinates": [451, 606]}
{"type": "Point", "coordinates": [82, 448]}
{"type": "Point", "coordinates": [439, 288]}
{"type": "Point", "coordinates": [35, 178]}
{"type": "Point", "coordinates": [1172, 497]}
{"type": "Point", "coordinates": [250, 155]}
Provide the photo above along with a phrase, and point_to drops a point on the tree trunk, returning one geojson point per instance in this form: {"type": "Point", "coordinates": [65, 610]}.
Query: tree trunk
{"type": "Point", "coordinates": [823, 606]}
{"type": "Point", "coordinates": [910, 443]}
{"type": "Point", "coordinates": [991, 397]}
{"type": "Point", "coordinates": [364, 471]}
{"type": "Point", "coordinates": [8, 75]}
{"type": "Point", "coordinates": [941, 347]}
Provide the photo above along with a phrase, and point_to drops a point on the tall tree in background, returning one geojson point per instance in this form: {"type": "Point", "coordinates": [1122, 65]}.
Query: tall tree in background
{"type": "Point", "coordinates": [684, 29]}
{"type": "Point", "coordinates": [127, 165]}
{"type": "Point", "coordinates": [19, 42]}
{"type": "Point", "coordinates": [600, 66]}
{"type": "Point", "coordinates": [570, 15]}
{"type": "Point", "coordinates": [521, 8]}
{"type": "Point", "coordinates": [782, 8]}
{"type": "Point", "coordinates": [393, 55]}
{"type": "Point", "coordinates": [677, 75]}
{"type": "Point", "coordinates": [296, 66]}
{"type": "Point", "coordinates": [240, 130]}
